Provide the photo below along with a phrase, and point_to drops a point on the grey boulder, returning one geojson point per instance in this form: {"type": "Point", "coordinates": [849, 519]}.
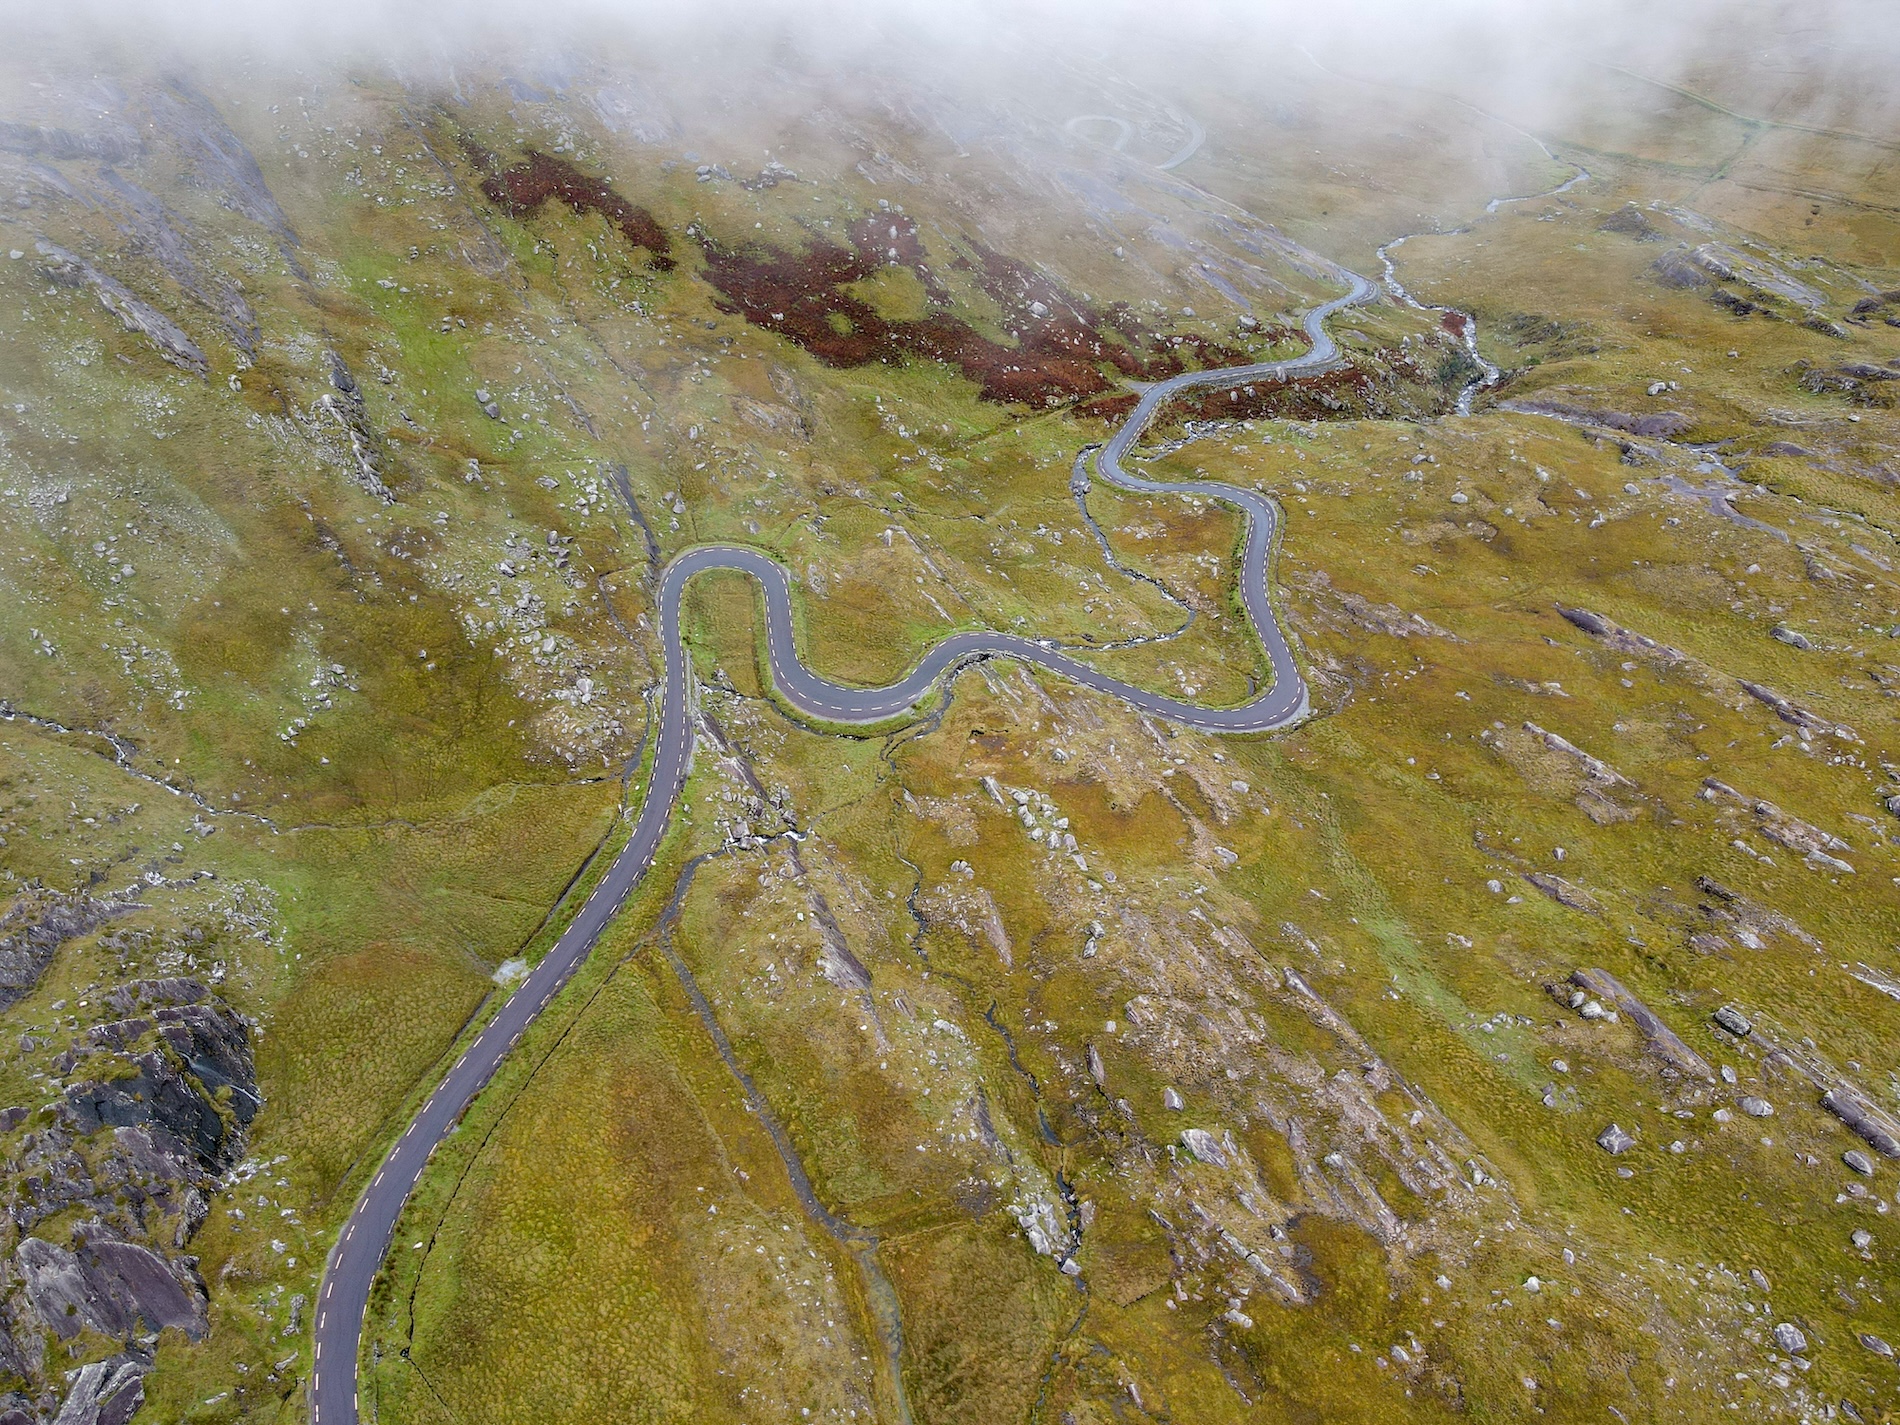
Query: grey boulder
{"type": "Point", "coordinates": [1615, 1140]}
{"type": "Point", "coordinates": [1788, 1336]}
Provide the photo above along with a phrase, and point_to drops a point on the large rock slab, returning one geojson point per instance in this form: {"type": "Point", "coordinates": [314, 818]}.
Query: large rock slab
{"type": "Point", "coordinates": [112, 1286]}
{"type": "Point", "coordinates": [1662, 1041]}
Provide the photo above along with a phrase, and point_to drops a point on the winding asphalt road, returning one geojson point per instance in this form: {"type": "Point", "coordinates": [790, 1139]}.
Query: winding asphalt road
{"type": "Point", "coordinates": [1125, 132]}
{"type": "Point", "coordinates": [343, 1296]}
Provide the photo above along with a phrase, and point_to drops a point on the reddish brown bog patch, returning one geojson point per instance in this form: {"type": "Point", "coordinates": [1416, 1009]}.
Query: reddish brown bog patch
{"type": "Point", "coordinates": [520, 190]}
{"type": "Point", "coordinates": [1060, 342]}
{"type": "Point", "coordinates": [1323, 395]}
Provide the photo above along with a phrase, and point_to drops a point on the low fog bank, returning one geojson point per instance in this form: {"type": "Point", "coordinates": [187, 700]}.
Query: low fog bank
{"type": "Point", "coordinates": [1819, 61]}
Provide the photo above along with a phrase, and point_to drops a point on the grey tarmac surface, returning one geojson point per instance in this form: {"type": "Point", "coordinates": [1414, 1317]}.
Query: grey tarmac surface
{"type": "Point", "coordinates": [343, 1296]}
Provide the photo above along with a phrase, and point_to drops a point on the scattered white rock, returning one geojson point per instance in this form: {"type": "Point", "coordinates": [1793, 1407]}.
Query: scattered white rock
{"type": "Point", "coordinates": [1204, 1146]}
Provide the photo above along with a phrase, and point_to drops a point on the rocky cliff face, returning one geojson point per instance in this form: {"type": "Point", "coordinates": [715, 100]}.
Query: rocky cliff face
{"type": "Point", "coordinates": [37, 925]}
{"type": "Point", "coordinates": [105, 1188]}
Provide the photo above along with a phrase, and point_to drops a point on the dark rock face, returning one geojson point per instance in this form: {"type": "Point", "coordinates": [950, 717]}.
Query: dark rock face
{"type": "Point", "coordinates": [35, 929]}
{"type": "Point", "coordinates": [109, 145]}
{"type": "Point", "coordinates": [222, 162]}
{"type": "Point", "coordinates": [1877, 1129]}
{"type": "Point", "coordinates": [143, 1176]}
{"type": "Point", "coordinates": [129, 999]}
{"type": "Point", "coordinates": [115, 1287]}
{"type": "Point", "coordinates": [137, 315]}
{"type": "Point", "coordinates": [1622, 639]}
{"type": "Point", "coordinates": [162, 1103]}
{"type": "Point", "coordinates": [368, 459]}
{"type": "Point", "coordinates": [198, 1085]}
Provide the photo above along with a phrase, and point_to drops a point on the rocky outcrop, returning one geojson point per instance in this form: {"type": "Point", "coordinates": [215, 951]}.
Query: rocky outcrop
{"type": "Point", "coordinates": [1340, 608]}
{"type": "Point", "coordinates": [195, 1083]}
{"type": "Point", "coordinates": [1808, 841]}
{"type": "Point", "coordinates": [1876, 1128]}
{"type": "Point", "coordinates": [1743, 284]}
{"type": "Point", "coordinates": [367, 460]}
{"type": "Point", "coordinates": [1554, 764]}
{"type": "Point", "coordinates": [155, 1110]}
{"type": "Point", "coordinates": [838, 965]}
{"type": "Point", "coordinates": [1861, 382]}
{"type": "Point", "coordinates": [1565, 893]}
{"type": "Point", "coordinates": [141, 1175]}
{"type": "Point", "coordinates": [1632, 221]}
{"type": "Point", "coordinates": [1661, 1041]}
{"type": "Point", "coordinates": [1621, 639]}
{"type": "Point", "coordinates": [37, 925]}
{"type": "Point", "coordinates": [1748, 922]}
{"type": "Point", "coordinates": [1657, 425]}
{"type": "Point", "coordinates": [1596, 769]}
{"type": "Point", "coordinates": [163, 236]}
{"type": "Point", "coordinates": [103, 1393]}
{"type": "Point", "coordinates": [972, 911]}
{"type": "Point", "coordinates": [1794, 714]}
{"type": "Point", "coordinates": [138, 315]}
{"type": "Point", "coordinates": [220, 160]}
{"type": "Point", "coordinates": [109, 1285]}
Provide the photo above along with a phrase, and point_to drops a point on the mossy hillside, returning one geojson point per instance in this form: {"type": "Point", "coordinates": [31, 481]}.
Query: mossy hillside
{"type": "Point", "coordinates": [1356, 821]}
{"type": "Point", "coordinates": [1374, 834]}
{"type": "Point", "coordinates": [1388, 890]}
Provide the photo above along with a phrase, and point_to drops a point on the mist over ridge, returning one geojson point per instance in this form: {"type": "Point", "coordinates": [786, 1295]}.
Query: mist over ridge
{"type": "Point", "coordinates": [1831, 61]}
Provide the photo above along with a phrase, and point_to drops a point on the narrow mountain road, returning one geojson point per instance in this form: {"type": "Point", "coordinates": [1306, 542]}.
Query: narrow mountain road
{"type": "Point", "coordinates": [343, 1296]}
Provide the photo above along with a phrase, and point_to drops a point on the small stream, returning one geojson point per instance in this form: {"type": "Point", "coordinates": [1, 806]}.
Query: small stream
{"type": "Point", "coordinates": [880, 1296]}
{"type": "Point", "coordinates": [1463, 324]}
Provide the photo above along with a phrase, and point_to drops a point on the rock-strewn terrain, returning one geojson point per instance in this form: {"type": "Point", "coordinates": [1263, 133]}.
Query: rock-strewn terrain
{"type": "Point", "coordinates": [107, 1185]}
{"type": "Point", "coordinates": [1514, 1038]}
